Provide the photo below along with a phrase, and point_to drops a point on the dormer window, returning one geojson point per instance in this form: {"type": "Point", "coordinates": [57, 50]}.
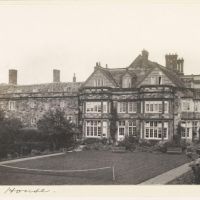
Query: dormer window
{"type": "Point", "coordinates": [126, 82]}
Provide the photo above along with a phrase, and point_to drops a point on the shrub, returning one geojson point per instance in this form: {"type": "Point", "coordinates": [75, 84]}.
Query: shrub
{"type": "Point", "coordinates": [184, 144]}
{"type": "Point", "coordinates": [147, 143]}
{"type": "Point", "coordinates": [91, 140]}
{"type": "Point", "coordinates": [30, 135]}
{"type": "Point", "coordinates": [104, 141]}
{"type": "Point", "coordinates": [161, 146]}
{"type": "Point", "coordinates": [129, 143]}
{"type": "Point", "coordinates": [195, 166]}
{"type": "Point", "coordinates": [35, 152]}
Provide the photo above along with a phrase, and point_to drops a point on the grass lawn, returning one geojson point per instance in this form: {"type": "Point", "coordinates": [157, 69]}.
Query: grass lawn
{"type": "Point", "coordinates": [130, 168]}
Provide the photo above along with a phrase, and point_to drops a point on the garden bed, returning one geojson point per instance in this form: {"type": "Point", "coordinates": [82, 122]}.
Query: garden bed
{"type": "Point", "coordinates": [185, 179]}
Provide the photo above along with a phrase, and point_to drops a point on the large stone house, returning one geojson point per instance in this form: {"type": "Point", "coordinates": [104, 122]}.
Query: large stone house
{"type": "Point", "coordinates": [147, 99]}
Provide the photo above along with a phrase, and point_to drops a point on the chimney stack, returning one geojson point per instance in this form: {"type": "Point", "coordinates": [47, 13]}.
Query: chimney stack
{"type": "Point", "coordinates": [13, 76]}
{"type": "Point", "coordinates": [145, 55]}
{"type": "Point", "coordinates": [74, 78]}
{"type": "Point", "coordinates": [174, 63]}
{"type": "Point", "coordinates": [56, 76]}
{"type": "Point", "coordinates": [97, 65]}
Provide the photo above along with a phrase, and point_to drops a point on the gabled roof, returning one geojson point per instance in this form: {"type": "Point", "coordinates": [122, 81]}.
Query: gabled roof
{"type": "Point", "coordinates": [139, 69]}
{"type": "Point", "coordinates": [105, 72]}
{"type": "Point", "coordinates": [172, 76]}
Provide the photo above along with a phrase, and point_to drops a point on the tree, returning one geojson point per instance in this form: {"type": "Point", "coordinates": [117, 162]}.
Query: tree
{"type": "Point", "coordinates": [9, 129]}
{"type": "Point", "coordinates": [59, 130]}
{"type": "Point", "coordinates": [177, 136]}
{"type": "Point", "coordinates": [113, 123]}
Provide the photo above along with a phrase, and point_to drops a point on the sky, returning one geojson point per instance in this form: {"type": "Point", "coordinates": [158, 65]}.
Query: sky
{"type": "Point", "coordinates": [72, 36]}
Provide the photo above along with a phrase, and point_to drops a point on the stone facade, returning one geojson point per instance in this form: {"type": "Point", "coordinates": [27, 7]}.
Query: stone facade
{"type": "Point", "coordinates": [30, 103]}
{"type": "Point", "coordinates": [150, 100]}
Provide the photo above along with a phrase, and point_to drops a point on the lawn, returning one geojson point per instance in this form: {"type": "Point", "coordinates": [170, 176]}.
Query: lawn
{"type": "Point", "coordinates": [130, 168]}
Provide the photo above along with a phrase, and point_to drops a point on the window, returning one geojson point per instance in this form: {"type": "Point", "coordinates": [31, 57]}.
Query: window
{"type": "Point", "coordinates": [156, 107]}
{"type": "Point", "coordinates": [183, 133]}
{"type": "Point", "coordinates": [153, 130]}
{"type": "Point", "coordinates": [93, 107]}
{"type": "Point", "coordinates": [46, 106]}
{"type": "Point", "coordinates": [121, 107]}
{"type": "Point", "coordinates": [126, 82]}
{"type": "Point", "coordinates": [132, 128]}
{"type": "Point", "coordinates": [32, 105]}
{"type": "Point", "coordinates": [33, 121]}
{"type": "Point", "coordinates": [195, 128]}
{"type": "Point", "coordinates": [166, 107]}
{"type": "Point", "coordinates": [153, 80]}
{"type": "Point", "coordinates": [35, 90]}
{"type": "Point", "coordinates": [93, 128]}
{"type": "Point", "coordinates": [121, 128]}
{"type": "Point", "coordinates": [187, 128]}
{"type": "Point", "coordinates": [187, 105]}
{"type": "Point", "coordinates": [104, 132]}
{"type": "Point", "coordinates": [69, 118]}
{"type": "Point", "coordinates": [98, 82]}
{"type": "Point", "coordinates": [11, 105]}
{"type": "Point", "coordinates": [197, 106]}
{"type": "Point", "coordinates": [62, 104]}
{"type": "Point", "coordinates": [132, 107]}
{"type": "Point", "coordinates": [105, 107]}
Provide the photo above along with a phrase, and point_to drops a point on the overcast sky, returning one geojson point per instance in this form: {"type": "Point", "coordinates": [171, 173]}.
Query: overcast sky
{"type": "Point", "coordinates": [73, 36]}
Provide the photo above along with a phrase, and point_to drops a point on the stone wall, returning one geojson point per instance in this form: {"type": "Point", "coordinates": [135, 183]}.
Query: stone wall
{"type": "Point", "coordinates": [29, 107]}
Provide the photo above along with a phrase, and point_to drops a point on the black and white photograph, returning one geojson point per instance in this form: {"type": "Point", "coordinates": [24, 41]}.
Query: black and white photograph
{"type": "Point", "coordinates": [101, 93]}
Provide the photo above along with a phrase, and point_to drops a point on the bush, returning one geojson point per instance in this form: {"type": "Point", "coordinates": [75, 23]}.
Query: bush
{"type": "Point", "coordinates": [184, 144]}
{"type": "Point", "coordinates": [30, 135]}
{"type": "Point", "coordinates": [35, 152]}
{"type": "Point", "coordinates": [91, 140]}
{"type": "Point", "coordinates": [129, 143]}
{"type": "Point", "coordinates": [195, 166]}
{"type": "Point", "coordinates": [95, 140]}
{"type": "Point", "coordinates": [104, 141]}
{"type": "Point", "coordinates": [148, 143]}
{"type": "Point", "coordinates": [161, 146]}
{"type": "Point", "coordinates": [97, 146]}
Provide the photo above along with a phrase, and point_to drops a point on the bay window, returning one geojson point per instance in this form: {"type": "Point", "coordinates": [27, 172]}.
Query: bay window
{"type": "Point", "coordinates": [153, 130]}
{"type": "Point", "coordinates": [93, 107]}
{"type": "Point", "coordinates": [156, 106]}
{"type": "Point", "coordinates": [93, 128]}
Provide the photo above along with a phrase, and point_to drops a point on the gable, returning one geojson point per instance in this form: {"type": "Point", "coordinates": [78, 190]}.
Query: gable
{"type": "Point", "coordinates": [157, 77]}
{"type": "Point", "coordinates": [97, 79]}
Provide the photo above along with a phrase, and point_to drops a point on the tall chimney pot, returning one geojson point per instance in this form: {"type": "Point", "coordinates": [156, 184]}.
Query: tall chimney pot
{"type": "Point", "coordinates": [56, 76]}
{"type": "Point", "coordinates": [13, 76]}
